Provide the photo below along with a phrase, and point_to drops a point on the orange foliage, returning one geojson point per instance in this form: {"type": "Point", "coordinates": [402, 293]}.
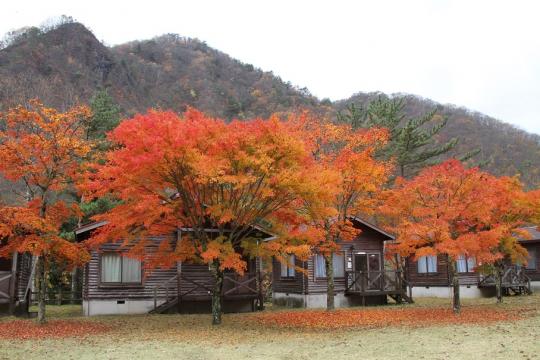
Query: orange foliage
{"type": "Point", "coordinates": [379, 318]}
{"type": "Point", "coordinates": [198, 172]}
{"type": "Point", "coordinates": [29, 330]}
{"type": "Point", "coordinates": [352, 178]}
{"type": "Point", "coordinates": [41, 148]}
{"type": "Point", "coordinates": [449, 209]}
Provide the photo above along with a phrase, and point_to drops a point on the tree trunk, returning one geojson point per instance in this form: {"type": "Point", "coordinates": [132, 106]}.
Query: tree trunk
{"type": "Point", "coordinates": [13, 283]}
{"type": "Point", "coordinates": [216, 293]}
{"type": "Point", "coordinates": [456, 304]}
{"type": "Point", "coordinates": [74, 285]}
{"type": "Point", "coordinates": [59, 295]}
{"type": "Point", "coordinates": [330, 303]}
{"type": "Point", "coordinates": [42, 290]}
{"type": "Point", "coordinates": [498, 284]}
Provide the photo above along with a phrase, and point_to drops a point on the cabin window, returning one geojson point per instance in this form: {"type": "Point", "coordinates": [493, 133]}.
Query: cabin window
{"type": "Point", "coordinates": [465, 264]}
{"type": "Point", "coordinates": [427, 264]}
{"type": "Point", "coordinates": [287, 269]}
{"type": "Point", "coordinates": [120, 269]}
{"type": "Point", "coordinates": [531, 263]}
{"type": "Point", "coordinates": [5, 264]}
{"type": "Point", "coordinates": [338, 265]}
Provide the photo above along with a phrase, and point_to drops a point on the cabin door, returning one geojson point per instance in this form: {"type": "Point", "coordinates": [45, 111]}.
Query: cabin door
{"type": "Point", "coordinates": [6, 278]}
{"type": "Point", "coordinates": [367, 269]}
{"type": "Point", "coordinates": [360, 271]}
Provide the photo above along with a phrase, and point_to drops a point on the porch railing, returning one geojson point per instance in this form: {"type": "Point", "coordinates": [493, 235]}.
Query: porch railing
{"type": "Point", "coordinates": [171, 290]}
{"type": "Point", "coordinates": [234, 285]}
{"type": "Point", "coordinates": [512, 276]}
{"type": "Point", "coordinates": [5, 286]}
{"type": "Point", "coordinates": [366, 281]}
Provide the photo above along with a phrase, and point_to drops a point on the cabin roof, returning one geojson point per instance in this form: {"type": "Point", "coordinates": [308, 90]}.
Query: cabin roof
{"type": "Point", "coordinates": [533, 232]}
{"type": "Point", "coordinates": [373, 227]}
{"type": "Point", "coordinates": [97, 224]}
{"type": "Point", "coordinates": [90, 226]}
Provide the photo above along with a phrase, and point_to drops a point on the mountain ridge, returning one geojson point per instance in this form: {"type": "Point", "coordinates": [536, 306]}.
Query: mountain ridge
{"type": "Point", "coordinates": [67, 64]}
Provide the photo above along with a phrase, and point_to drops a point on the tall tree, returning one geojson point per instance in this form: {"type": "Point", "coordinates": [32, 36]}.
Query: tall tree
{"type": "Point", "coordinates": [450, 210]}
{"type": "Point", "coordinates": [43, 148]}
{"type": "Point", "coordinates": [513, 208]}
{"type": "Point", "coordinates": [412, 142]}
{"type": "Point", "coordinates": [105, 115]}
{"type": "Point", "coordinates": [201, 173]}
{"type": "Point", "coordinates": [347, 156]}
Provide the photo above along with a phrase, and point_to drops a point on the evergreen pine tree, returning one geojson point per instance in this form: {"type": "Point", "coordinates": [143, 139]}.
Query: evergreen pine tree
{"type": "Point", "coordinates": [106, 115]}
{"type": "Point", "coordinates": [412, 140]}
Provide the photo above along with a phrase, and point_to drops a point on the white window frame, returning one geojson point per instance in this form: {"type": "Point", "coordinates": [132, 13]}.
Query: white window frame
{"type": "Point", "coordinates": [469, 262]}
{"type": "Point", "coordinates": [423, 265]}
{"type": "Point", "coordinates": [288, 269]}
{"type": "Point", "coordinates": [121, 282]}
{"type": "Point", "coordinates": [323, 276]}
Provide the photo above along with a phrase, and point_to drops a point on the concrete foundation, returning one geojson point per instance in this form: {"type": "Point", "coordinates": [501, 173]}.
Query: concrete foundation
{"type": "Point", "coordinates": [465, 292]}
{"type": "Point", "coordinates": [143, 306]}
{"type": "Point", "coordinates": [535, 286]}
{"type": "Point", "coordinates": [315, 301]}
{"type": "Point", "coordinates": [116, 307]}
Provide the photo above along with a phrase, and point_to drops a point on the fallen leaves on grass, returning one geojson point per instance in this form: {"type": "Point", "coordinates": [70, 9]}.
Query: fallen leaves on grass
{"type": "Point", "coordinates": [377, 318]}
{"type": "Point", "coordinates": [29, 329]}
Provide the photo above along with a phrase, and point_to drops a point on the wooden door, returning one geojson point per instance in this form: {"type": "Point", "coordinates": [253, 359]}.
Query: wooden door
{"type": "Point", "coordinates": [360, 271]}
{"type": "Point", "coordinates": [374, 272]}
{"type": "Point", "coordinates": [5, 286]}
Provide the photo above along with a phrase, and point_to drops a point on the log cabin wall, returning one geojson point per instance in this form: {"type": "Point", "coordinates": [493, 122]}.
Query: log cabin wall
{"type": "Point", "coordinates": [533, 247]}
{"type": "Point", "coordinates": [292, 285]}
{"type": "Point", "coordinates": [24, 271]}
{"type": "Point", "coordinates": [94, 289]}
{"type": "Point", "coordinates": [196, 280]}
{"type": "Point", "coordinates": [191, 275]}
{"type": "Point", "coordinates": [369, 240]}
{"type": "Point", "coordinates": [439, 278]}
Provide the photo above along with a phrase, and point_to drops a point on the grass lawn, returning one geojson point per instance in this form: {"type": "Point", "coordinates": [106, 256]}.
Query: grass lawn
{"type": "Point", "coordinates": [242, 337]}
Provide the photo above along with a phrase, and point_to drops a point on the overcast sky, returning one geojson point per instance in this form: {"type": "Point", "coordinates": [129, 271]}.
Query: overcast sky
{"type": "Point", "coordinates": [484, 55]}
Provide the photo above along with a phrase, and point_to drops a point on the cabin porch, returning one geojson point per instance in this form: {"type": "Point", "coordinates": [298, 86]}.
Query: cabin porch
{"type": "Point", "coordinates": [514, 281]}
{"type": "Point", "coordinates": [191, 291]}
{"type": "Point", "coordinates": [377, 283]}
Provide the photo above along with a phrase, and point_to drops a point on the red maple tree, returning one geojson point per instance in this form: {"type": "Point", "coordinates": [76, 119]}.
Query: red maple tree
{"type": "Point", "coordinates": [42, 149]}
{"type": "Point", "coordinates": [197, 172]}
{"type": "Point", "coordinates": [353, 176]}
{"type": "Point", "coordinates": [454, 211]}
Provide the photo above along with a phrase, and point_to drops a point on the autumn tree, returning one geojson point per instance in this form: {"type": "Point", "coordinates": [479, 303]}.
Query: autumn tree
{"type": "Point", "coordinates": [513, 208]}
{"type": "Point", "coordinates": [353, 177]}
{"type": "Point", "coordinates": [412, 140]}
{"type": "Point", "coordinates": [42, 149]}
{"type": "Point", "coordinates": [450, 210]}
{"type": "Point", "coordinates": [197, 172]}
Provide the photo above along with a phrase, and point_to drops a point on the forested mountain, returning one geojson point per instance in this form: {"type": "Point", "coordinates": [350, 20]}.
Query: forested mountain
{"type": "Point", "coordinates": [66, 65]}
{"type": "Point", "coordinates": [504, 149]}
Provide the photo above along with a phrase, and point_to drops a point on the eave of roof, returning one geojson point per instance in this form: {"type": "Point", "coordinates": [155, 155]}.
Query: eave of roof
{"type": "Point", "coordinates": [374, 227]}
{"type": "Point", "coordinates": [97, 224]}
{"type": "Point", "coordinates": [533, 231]}
{"type": "Point", "coordinates": [91, 226]}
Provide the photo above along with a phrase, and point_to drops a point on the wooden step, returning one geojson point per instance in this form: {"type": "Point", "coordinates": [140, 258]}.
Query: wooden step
{"type": "Point", "coordinates": [166, 306]}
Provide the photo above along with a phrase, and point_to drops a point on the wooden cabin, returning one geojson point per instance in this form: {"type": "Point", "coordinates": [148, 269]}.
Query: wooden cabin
{"type": "Point", "coordinates": [114, 284]}
{"type": "Point", "coordinates": [360, 275]}
{"type": "Point", "coordinates": [430, 277]}
{"type": "Point", "coordinates": [15, 274]}
{"type": "Point", "coordinates": [532, 268]}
